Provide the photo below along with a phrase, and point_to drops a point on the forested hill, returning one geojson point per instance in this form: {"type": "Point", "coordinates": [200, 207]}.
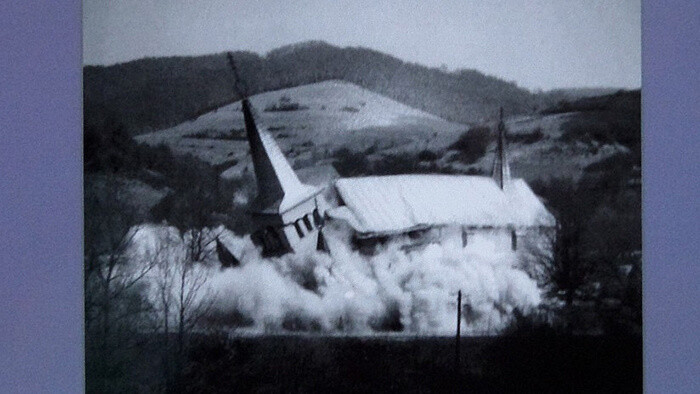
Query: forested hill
{"type": "Point", "coordinates": [155, 93]}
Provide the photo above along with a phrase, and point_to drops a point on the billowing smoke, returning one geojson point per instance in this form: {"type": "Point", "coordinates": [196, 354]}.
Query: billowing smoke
{"type": "Point", "coordinates": [346, 292]}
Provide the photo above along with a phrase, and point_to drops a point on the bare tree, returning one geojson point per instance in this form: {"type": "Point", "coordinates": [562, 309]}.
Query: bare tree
{"type": "Point", "coordinates": [192, 209]}
{"type": "Point", "coordinates": [163, 282]}
{"type": "Point", "coordinates": [113, 301]}
{"type": "Point", "coordinates": [192, 302]}
{"type": "Point", "coordinates": [181, 300]}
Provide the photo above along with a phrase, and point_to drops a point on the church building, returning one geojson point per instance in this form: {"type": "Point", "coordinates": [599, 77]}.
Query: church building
{"type": "Point", "coordinates": [286, 212]}
{"type": "Point", "coordinates": [413, 210]}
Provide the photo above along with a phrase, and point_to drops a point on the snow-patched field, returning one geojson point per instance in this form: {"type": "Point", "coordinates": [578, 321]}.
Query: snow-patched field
{"type": "Point", "coordinates": [334, 114]}
{"type": "Point", "coordinates": [549, 157]}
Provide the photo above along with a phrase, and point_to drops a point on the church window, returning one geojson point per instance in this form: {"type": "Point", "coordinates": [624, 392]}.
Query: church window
{"type": "Point", "coordinates": [297, 227]}
{"type": "Point", "coordinates": [465, 237]}
{"type": "Point", "coordinates": [513, 240]}
{"type": "Point", "coordinates": [318, 220]}
{"type": "Point", "coordinates": [307, 222]}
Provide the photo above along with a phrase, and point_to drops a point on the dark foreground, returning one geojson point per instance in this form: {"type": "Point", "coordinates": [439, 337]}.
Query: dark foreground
{"type": "Point", "coordinates": [560, 364]}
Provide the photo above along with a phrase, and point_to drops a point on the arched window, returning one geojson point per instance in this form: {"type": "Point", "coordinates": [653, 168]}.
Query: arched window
{"type": "Point", "coordinates": [465, 237]}
{"type": "Point", "coordinates": [513, 240]}
{"type": "Point", "coordinates": [318, 220]}
{"type": "Point", "coordinates": [297, 227]}
{"type": "Point", "coordinates": [307, 223]}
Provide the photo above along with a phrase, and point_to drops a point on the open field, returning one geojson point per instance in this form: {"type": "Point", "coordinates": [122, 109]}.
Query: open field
{"type": "Point", "coordinates": [330, 114]}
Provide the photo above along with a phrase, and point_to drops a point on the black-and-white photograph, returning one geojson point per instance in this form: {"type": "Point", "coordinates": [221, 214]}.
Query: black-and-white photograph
{"type": "Point", "coordinates": [362, 196]}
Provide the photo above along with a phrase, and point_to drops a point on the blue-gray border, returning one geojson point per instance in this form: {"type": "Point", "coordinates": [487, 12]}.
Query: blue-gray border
{"type": "Point", "coordinates": [41, 338]}
{"type": "Point", "coordinates": [41, 207]}
{"type": "Point", "coordinates": [670, 168]}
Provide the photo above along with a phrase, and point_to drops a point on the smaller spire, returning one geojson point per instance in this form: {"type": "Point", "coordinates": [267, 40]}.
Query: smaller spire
{"type": "Point", "coordinates": [501, 168]}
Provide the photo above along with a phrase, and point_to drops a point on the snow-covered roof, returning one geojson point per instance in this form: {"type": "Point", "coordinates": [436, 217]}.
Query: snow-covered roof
{"type": "Point", "coordinates": [399, 203]}
{"type": "Point", "coordinates": [527, 209]}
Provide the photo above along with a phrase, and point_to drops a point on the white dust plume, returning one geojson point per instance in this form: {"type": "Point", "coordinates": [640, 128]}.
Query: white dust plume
{"type": "Point", "coordinates": [347, 292]}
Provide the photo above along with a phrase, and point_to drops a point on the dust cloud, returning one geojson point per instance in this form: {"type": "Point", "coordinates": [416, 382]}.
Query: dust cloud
{"type": "Point", "coordinates": [346, 292]}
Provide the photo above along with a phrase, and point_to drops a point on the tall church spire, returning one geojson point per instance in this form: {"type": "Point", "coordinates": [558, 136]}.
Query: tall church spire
{"type": "Point", "coordinates": [279, 187]}
{"type": "Point", "coordinates": [501, 169]}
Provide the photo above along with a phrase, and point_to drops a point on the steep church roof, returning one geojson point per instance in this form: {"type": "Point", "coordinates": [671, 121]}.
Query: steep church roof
{"type": "Point", "coordinates": [279, 188]}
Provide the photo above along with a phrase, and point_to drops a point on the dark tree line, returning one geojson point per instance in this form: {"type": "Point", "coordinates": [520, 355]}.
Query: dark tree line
{"type": "Point", "coordinates": [613, 118]}
{"type": "Point", "coordinates": [593, 262]}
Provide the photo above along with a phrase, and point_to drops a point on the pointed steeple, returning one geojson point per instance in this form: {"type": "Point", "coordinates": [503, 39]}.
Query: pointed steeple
{"type": "Point", "coordinates": [501, 169]}
{"type": "Point", "coordinates": [279, 187]}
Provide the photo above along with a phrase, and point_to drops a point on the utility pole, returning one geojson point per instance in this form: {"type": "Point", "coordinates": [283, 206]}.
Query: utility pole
{"type": "Point", "coordinates": [459, 326]}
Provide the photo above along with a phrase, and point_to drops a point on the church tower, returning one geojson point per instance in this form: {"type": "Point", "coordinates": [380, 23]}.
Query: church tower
{"type": "Point", "coordinates": [501, 169]}
{"type": "Point", "coordinates": [285, 211]}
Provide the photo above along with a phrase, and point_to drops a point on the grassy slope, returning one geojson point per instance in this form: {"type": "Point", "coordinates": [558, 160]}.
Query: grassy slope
{"type": "Point", "coordinates": [549, 157]}
{"type": "Point", "coordinates": [569, 137]}
{"type": "Point", "coordinates": [338, 114]}
{"type": "Point", "coordinates": [574, 136]}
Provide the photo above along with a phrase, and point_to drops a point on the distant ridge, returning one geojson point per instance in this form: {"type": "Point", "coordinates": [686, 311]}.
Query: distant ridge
{"type": "Point", "coordinates": [303, 45]}
{"type": "Point", "coordinates": [155, 93]}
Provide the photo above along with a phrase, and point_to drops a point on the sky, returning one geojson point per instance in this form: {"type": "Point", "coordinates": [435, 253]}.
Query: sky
{"type": "Point", "coordinates": [539, 44]}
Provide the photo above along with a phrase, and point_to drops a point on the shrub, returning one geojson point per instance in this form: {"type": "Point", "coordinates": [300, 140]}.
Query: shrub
{"type": "Point", "coordinates": [108, 148]}
{"type": "Point", "coordinates": [587, 131]}
{"type": "Point", "coordinates": [404, 163]}
{"type": "Point", "coordinates": [426, 155]}
{"type": "Point", "coordinates": [372, 149]}
{"type": "Point", "coordinates": [285, 104]}
{"type": "Point", "coordinates": [527, 138]}
{"type": "Point", "coordinates": [533, 324]}
{"type": "Point", "coordinates": [233, 134]}
{"type": "Point", "coordinates": [472, 144]}
{"type": "Point", "coordinates": [350, 163]}
{"type": "Point", "coordinates": [605, 127]}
